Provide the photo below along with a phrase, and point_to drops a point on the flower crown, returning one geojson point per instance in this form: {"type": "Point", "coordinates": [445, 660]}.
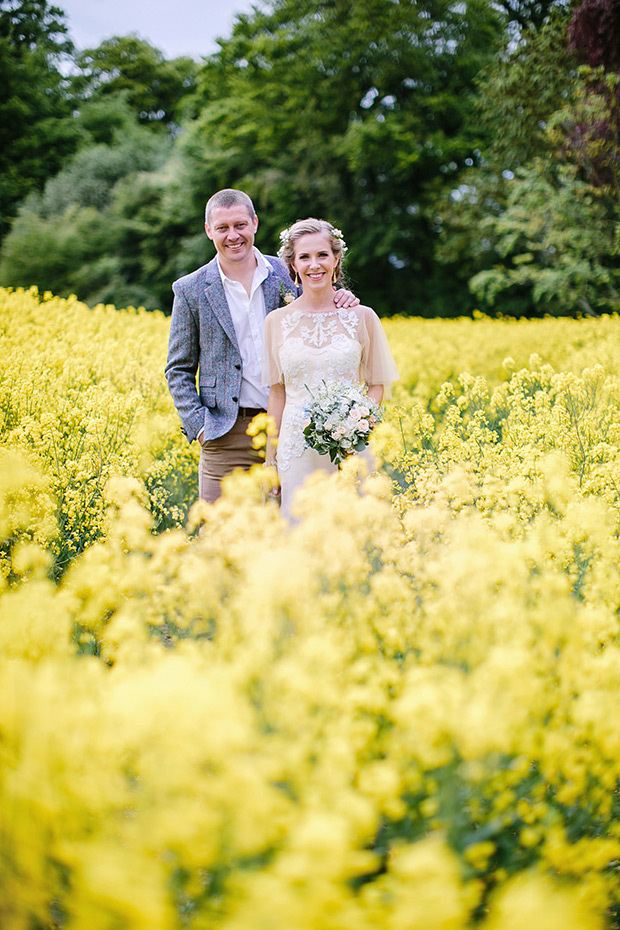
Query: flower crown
{"type": "Point", "coordinates": [285, 237]}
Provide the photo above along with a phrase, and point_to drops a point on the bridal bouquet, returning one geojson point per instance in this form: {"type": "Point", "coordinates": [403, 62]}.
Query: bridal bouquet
{"type": "Point", "coordinates": [341, 417]}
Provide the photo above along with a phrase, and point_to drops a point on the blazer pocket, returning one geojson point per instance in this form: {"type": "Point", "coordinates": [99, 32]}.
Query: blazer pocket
{"type": "Point", "coordinates": [206, 386]}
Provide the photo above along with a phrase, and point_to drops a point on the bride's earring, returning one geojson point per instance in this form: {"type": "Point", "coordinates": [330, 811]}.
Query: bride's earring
{"type": "Point", "coordinates": [296, 279]}
{"type": "Point", "coordinates": [335, 276]}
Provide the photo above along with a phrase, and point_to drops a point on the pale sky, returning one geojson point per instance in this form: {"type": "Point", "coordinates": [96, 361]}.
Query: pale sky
{"type": "Point", "coordinates": [176, 27]}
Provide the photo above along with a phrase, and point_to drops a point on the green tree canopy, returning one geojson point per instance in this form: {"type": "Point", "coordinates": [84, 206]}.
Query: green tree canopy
{"type": "Point", "coordinates": [154, 87]}
{"type": "Point", "coordinates": [77, 236]}
{"type": "Point", "coordinates": [36, 130]}
{"type": "Point", "coordinates": [520, 91]}
{"type": "Point", "coordinates": [537, 223]}
{"type": "Point", "coordinates": [556, 242]}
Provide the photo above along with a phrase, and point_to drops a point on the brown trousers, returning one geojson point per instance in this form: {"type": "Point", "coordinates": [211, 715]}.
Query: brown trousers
{"type": "Point", "coordinates": [219, 458]}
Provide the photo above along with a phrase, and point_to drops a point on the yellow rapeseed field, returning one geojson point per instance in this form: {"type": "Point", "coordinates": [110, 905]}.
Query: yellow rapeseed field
{"type": "Point", "coordinates": [399, 714]}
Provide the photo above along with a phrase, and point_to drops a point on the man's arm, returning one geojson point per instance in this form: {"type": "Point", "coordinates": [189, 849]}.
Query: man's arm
{"type": "Point", "coordinates": [182, 365]}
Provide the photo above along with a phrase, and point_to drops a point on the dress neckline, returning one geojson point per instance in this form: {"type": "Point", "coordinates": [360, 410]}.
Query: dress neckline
{"type": "Point", "coordinates": [335, 312]}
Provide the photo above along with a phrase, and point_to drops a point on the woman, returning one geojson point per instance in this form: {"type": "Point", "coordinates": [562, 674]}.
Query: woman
{"type": "Point", "coordinates": [308, 342]}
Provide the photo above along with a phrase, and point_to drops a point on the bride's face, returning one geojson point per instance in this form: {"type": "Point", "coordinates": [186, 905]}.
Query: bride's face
{"type": "Point", "coordinates": [314, 261]}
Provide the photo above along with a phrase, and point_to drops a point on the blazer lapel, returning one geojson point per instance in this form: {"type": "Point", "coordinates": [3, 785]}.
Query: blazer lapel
{"type": "Point", "coordinates": [270, 291]}
{"type": "Point", "coordinates": [216, 298]}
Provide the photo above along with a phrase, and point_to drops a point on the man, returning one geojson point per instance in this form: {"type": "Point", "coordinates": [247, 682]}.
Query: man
{"type": "Point", "coordinates": [217, 330]}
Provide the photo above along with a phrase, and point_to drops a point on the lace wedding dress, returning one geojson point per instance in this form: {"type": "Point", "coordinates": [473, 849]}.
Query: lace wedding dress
{"type": "Point", "coordinates": [302, 350]}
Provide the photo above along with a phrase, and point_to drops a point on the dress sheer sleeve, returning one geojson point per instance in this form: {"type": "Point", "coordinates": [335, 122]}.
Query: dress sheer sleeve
{"type": "Point", "coordinates": [272, 343]}
{"type": "Point", "coordinates": [378, 365]}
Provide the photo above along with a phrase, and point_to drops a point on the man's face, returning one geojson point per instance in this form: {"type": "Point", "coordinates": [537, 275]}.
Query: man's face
{"type": "Point", "coordinates": [232, 229]}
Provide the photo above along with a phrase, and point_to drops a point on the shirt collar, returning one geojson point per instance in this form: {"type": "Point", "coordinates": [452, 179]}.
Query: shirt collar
{"type": "Point", "coordinates": [263, 265]}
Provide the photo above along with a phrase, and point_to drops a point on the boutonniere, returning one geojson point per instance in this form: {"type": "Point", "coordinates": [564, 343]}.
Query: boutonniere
{"type": "Point", "coordinates": [286, 296]}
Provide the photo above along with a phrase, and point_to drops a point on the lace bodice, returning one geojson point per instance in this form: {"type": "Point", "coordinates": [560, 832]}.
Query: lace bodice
{"type": "Point", "coordinates": [322, 348]}
{"type": "Point", "coordinates": [302, 350]}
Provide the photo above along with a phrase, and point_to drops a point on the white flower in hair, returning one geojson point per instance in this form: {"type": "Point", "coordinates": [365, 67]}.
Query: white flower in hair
{"type": "Point", "coordinates": [338, 234]}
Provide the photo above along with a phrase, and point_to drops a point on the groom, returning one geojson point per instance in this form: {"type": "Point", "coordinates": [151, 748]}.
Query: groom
{"type": "Point", "coordinates": [217, 330]}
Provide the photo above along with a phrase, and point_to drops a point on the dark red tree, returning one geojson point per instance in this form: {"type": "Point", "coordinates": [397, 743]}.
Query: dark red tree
{"type": "Point", "coordinates": [594, 33]}
{"type": "Point", "coordinates": [594, 143]}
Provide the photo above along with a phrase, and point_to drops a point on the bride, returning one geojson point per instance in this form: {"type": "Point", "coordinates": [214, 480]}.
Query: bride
{"type": "Point", "coordinates": [308, 342]}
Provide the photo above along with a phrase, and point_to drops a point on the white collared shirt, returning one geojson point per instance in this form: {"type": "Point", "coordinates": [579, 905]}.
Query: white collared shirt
{"type": "Point", "coordinates": [248, 316]}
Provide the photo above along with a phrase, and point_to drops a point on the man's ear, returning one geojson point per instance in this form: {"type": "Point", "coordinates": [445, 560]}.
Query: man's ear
{"type": "Point", "coordinates": [208, 232]}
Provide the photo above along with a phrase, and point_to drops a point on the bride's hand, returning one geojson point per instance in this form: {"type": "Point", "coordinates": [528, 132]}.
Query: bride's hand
{"type": "Point", "coordinates": [273, 493]}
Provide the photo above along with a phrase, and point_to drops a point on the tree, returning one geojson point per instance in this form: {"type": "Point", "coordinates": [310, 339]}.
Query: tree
{"type": "Point", "coordinates": [556, 242]}
{"type": "Point", "coordinates": [594, 31]}
{"type": "Point", "coordinates": [34, 26]}
{"type": "Point", "coordinates": [156, 89]}
{"type": "Point", "coordinates": [520, 91]}
{"type": "Point", "coordinates": [89, 229]}
{"type": "Point", "coordinates": [36, 130]}
{"type": "Point", "coordinates": [556, 239]}
{"type": "Point", "coordinates": [527, 15]}
{"type": "Point", "coordinates": [594, 138]}
{"type": "Point", "coordinates": [74, 236]}
{"type": "Point", "coordinates": [553, 233]}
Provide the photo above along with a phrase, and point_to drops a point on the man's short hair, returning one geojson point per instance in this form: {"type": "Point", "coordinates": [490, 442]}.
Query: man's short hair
{"type": "Point", "coordinates": [229, 197]}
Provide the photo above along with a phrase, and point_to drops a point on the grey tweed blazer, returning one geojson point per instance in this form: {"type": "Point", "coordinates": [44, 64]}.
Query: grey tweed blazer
{"type": "Point", "coordinates": [203, 340]}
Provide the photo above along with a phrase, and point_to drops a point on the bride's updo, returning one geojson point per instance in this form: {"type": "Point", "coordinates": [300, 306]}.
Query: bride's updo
{"type": "Point", "coordinates": [289, 237]}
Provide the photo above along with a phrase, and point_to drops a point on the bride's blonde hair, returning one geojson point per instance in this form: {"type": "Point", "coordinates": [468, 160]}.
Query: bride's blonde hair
{"type": "Point", "coordinates": [289, 237]}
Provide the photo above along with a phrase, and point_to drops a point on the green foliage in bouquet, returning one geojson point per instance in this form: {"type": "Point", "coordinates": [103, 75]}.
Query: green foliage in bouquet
{"type": "Point", "coordinates": [341, 418]}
